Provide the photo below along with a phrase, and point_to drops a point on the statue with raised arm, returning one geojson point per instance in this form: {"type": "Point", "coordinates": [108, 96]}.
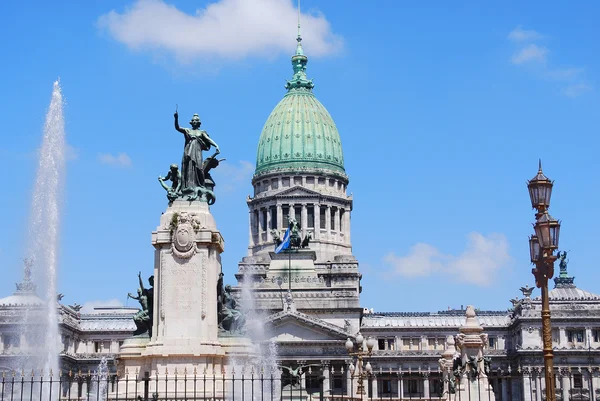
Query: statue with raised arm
{"type": "Point", "coordinates": [143, 319]}
{"type": "Point", "coordinates": [174, 176]}
{"type": "Point", "coordinates": [192, 166]}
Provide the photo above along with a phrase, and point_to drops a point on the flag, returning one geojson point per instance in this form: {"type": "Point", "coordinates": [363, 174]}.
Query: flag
{"type": "Point", "coordinates": [285, 243]}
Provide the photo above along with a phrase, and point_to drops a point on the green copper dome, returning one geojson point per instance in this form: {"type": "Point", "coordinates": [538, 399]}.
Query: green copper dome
{"type": "Point", "coordinates": [299, 134]}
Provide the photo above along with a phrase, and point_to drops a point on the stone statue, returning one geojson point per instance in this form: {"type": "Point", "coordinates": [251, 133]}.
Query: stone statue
{"type": "Point", "coordinates": [59, 297]}
{"type": "Point", "coordinates": [174, 175]}
{"type": "Point", "coordinates": [192, 167]}
{"type": "Point", "coordinates": [209, 184]}
{"type": "Point", "coordinates": [143, 319]}
{"type": "Point", "coordinates": [230, 317]}
{"type": "Point", "coordinates": [76, 307]}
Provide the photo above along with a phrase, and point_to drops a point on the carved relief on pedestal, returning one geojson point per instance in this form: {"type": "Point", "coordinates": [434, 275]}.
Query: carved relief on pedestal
{"type": "Point", "coordinates": [183, 234]}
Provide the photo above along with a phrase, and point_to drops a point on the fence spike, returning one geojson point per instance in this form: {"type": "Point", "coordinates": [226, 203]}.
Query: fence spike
{"type": "Point", "coordinates": [175, 372]}
{"type": "Point", "coordinates": [195, 371]}
{"type": "Point", "coordinates": [13, 373]}
{"type": "Point", "coordinates": [32, 373]}
{"type": "Point", "coordinates": [166, 371]}
{"type": "Point", "coordinates": [185, 371]}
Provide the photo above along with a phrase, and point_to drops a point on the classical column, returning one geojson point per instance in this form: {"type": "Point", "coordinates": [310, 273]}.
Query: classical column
{"type": "Point", "coordinates": [328, 227]}
{"type": "Point", "coordinates": [250, 229]}
{"type": "Point", "coordinates": [526, 385]}
{"type": "Point", "coordinates": [538, 385]}
{"type": "Point", "coordinates": [504, 389]}
{"type": "Point", "coordinates": [400, 386]}
{"type": "Point", "coordinates": [317, 213]}
{"type": "Point", "coordinates": [279, 218]}
{"type": "Point", "coordinates": [566, 385]}
{"type": "Point", "coordinates": [326, 384]}
{"type": "Point", "coordinates": [374, 386]}
{"type": "Point", "coordinates": [337, 220]}
{"type": "Point", "coordinates": [1, 343]}
{"type": "Point", "coordinates": [350, 389]}
{"type": "Point", "coordinates": [347, 226]}
{"type": "Point", "coordinates": [304, 218]}
{"type": "Point", "coordinates": [268, 228]}
{"type": "Point", "coordinates": [426, 385]}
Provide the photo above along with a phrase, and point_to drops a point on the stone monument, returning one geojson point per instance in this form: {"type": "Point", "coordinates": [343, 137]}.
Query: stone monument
{"type": "Point", "coordinates": [465, 367]}
{"type": "Point", "coordinates": [188, 321]}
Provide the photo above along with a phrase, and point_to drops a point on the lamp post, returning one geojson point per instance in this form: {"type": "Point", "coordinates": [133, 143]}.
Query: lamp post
{"type": "Point", "coordinates": [357, 349]}
{"type": "Point", "coordinates": [542, 245]}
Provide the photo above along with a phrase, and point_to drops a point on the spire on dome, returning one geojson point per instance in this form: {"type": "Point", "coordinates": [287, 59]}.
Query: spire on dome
{"type": "Point", "coordinates": [299, 81]}
{"type": "Point", "coordinates": [26, 285]}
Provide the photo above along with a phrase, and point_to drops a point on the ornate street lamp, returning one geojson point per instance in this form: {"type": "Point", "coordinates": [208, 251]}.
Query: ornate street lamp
{"type": "Point", "coordinates": [540, 190]}
{"type": "Point", "coordinates": [541, 248]}
{"type": "Point", "coordinates": [357, 349]}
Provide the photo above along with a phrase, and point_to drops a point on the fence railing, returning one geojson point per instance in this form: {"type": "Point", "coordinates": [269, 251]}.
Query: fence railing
{"type": "Point", "coordinates": [523, 385]}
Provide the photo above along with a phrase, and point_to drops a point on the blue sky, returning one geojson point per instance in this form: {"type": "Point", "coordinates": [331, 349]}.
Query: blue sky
{"type": "Point", "coordinates": [443, 110]}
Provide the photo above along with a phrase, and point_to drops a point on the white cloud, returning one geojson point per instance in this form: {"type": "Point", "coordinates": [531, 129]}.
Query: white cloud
{"type": "Point", "coordinates": [530, 53]}
{"type": "Point", "coordinates": [479, 263]}
{"type": "Point", "coordinates": [523, 35]}
{"type": "Point", "coordinates": [119, 160]}
{"type": "Point", "coordinates": [577, 90]}
{"type": "Point", "coordinates": [88, 307]}
{"type": "Point", "coordinates": [229, 176]}
{"type": "Point", "coordinates": [225, 29]}
{"type": "Point", "coordinates": [564, 74]}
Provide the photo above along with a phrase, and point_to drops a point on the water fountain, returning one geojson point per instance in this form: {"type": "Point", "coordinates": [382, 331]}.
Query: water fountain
{"type": "Point", "coordinates": [43, 234]}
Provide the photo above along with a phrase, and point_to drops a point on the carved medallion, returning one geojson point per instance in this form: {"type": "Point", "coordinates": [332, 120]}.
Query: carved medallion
{"type": "Point", "coordinates": [183, 240]}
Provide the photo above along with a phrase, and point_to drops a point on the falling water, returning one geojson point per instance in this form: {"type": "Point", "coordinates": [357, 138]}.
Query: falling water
{"type": "Point", "coordinates": [266, 364]}
{"type": "Point", "coordinates": [44, 228]}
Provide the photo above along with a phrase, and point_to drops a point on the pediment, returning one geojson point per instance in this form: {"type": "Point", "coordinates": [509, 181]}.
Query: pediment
{"type": "Point", "coordinates": [296, 326]}
{"type": "Point", "coordinates": [298, 191]}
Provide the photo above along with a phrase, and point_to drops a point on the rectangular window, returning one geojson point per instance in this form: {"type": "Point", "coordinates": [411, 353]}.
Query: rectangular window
{"type": "Point", "coordinates": [322, 218]}
{"type": "Point", "coordinates": [391, 344]}
{"type": "Point", "coordinates": [298, 215]}
{"type": "Point", "coordinates": [332, 218]}
{"type": "Point", "coordinates": [492, 342]}
{"type": "Point", "coordinates": [310, 214]}
{"type": "Point", "coordinates": [555, 336]}
{"type": "Point", "coordinates": [576, 336]}
{"type": "Point", "coordinates": [97, 347]}
{"type": "Point", "coordinates": [285, 212]}
{"type": "Point", "coordinates": [285, 182]}
{"type": "Point", "coordinates": [577, 380]}
{"type": "Point", "coordinates": [596, 334]}
{"type": "Point", "coordinates": [386, 386]}
{"type": "Point", "coordinates": [274, 184]}
{"type": "Point", "coordinates": [381, 344]}
{"type": "Point", "coordinates": [273, 218]}
{"type": "Point", "coordinates": [413, 386]}
{"type": "Point", "coordinates": [436, 387]}
{"type": "Point", "coordinates": [263, 220]}
{"type": "Point", "coordinates": [256, 227]}
{"type": "Point", "coordinates": [297, 180]}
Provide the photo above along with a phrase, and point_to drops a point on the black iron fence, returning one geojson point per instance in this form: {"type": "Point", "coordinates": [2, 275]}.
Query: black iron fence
{"type": "Point", "coordinates": [572, 384]}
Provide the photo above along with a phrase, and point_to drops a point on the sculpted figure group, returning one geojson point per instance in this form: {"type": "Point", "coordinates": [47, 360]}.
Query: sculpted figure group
{"type": "Point", "coordinates": [145, 296]}
{"type": "Point", "coordinates": [193, 181]}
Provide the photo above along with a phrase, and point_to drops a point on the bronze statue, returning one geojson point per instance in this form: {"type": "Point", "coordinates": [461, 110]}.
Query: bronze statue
{"type": "Point", "coordinates": [562, 256]}
{"type": "Point", "coordinates": [192, 166]}
{"type": "Point", "coordinates": [295, 374]}
{"type": "Point", "coordinates": [143, 319]}
{"type": "Point", "coordinates": [230, 318]}
{"type": "Point", "coordinates": [174, 175]}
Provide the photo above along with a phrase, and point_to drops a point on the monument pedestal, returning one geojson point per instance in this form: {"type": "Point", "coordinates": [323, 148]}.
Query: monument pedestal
{"type": "Point", "coordinates": [185, 335]}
